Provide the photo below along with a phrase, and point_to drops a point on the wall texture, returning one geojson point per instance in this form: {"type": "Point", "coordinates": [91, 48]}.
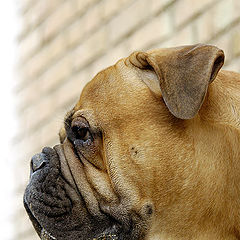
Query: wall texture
{"type": "Point", "coordinates": [63, 44]}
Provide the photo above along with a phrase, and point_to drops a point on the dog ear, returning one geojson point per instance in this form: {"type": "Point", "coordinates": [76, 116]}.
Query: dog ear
{"type": "Point", "coordinates": [183, 74]}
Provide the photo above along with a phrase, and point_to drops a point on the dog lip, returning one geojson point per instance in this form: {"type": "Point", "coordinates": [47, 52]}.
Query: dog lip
{"type": "Point", "coordinates": [46, 235]}
{"type": "Point", "coordinates": [35, 222]}
{"type": "Point", "coordinates": [43, 234]}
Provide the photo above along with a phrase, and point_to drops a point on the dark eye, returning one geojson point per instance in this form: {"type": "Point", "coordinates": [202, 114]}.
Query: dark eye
{"type": "Point", "coordinates": [81, 133]}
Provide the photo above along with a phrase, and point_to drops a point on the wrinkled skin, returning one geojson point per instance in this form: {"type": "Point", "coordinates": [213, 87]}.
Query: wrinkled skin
{"type": "Point", "coordinates": [148, 152]}
{"type": "Point", "coordinates": [54, 199]}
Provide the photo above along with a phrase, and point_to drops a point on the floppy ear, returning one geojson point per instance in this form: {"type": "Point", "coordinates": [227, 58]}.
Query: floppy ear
{"type": "Point", "coordinates": [183, 74]}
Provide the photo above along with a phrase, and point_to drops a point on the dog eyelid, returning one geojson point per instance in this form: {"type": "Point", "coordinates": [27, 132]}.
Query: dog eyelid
{"type": "Point", "coordinates": [81, 129]}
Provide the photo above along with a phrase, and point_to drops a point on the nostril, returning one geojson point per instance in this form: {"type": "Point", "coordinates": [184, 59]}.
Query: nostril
{"type": "Point", "coordinates": [38, 161]}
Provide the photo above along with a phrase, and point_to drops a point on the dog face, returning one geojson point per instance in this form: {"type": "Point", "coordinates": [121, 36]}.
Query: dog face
{"type": "Point", "coordinates": [122, 168]}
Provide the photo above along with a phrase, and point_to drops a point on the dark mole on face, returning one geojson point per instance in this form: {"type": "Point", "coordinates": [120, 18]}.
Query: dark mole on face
{"type": "Point", "coordinates": [133, 151]}
{"type": "Point", "coordinates": [147, 210]}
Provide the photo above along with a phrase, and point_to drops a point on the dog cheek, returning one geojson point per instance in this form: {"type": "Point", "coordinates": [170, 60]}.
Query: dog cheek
{"type": "Point", "coordinates": [100, 182]}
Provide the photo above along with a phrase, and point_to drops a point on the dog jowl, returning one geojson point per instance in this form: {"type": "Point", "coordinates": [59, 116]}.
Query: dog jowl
{"type": "Point", "coordinates": [150, 151]}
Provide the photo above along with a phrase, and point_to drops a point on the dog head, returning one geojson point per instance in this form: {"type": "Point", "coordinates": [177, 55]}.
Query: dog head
{"type": "Point", "coordinates": [123, 165]}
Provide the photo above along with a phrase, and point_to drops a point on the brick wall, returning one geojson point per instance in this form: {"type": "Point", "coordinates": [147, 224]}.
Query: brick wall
{"type": "Point", "coordinates": [63, 44]}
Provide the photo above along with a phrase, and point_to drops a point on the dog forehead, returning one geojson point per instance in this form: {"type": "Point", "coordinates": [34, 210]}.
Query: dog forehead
{"type": "Point", "coordinates": [118, 86]}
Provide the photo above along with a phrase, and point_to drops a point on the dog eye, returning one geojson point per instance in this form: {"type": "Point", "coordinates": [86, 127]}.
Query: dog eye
{"type": "Point", "coordinates": [81, 133]}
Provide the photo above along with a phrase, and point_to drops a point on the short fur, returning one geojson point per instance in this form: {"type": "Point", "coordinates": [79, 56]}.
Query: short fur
{"type": "Point", "coordinates": [161, 159]}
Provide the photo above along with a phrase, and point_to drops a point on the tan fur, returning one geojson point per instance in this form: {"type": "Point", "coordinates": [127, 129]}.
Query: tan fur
{"type": "Point", "coordinates": [188, 170]}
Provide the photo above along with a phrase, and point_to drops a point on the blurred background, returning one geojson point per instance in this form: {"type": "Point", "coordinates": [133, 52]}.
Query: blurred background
{"type": "Point", "coordinates": [51, 49]}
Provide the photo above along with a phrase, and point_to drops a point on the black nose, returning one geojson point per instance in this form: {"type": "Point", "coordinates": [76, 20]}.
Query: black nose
{"type": "Point", "coordinates": [38, 161]}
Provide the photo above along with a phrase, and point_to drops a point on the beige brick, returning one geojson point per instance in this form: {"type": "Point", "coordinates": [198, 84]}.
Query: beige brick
{"type": "Point", "coordinates": [71, 88]}
{"type": "Point", "coordinates": [183, 37]}
{"type": "Point", "coordinates": [28, 94]}
{"type": "Point", "coordinates": [157, 5]}
{"type": "Point", "coordinates": [236, 42]}
{"type": "Point", "coordinates": [129, 18]}
{"type": "Point", "coordinates": [42, 9]}
{"type": "Point", "coordinates": [82, 26]}
{"type": "Point", "coordinates": [110, 7]}
{"type": "Point", "coordinates": [34, 65]}
{"type": "Point", "coordinates": [170, 42]}
{"type": "Point", "coordinates": [38, 112]}
{"type": "Point", "coordinates": [38, 13]}
{"type": "Point", "coordinates": [185, 9]}
{"type": "Point", "coordinates": [26, 24]}
{"type": "Point", "coordinates": [26, 140]}
{"type": "Point", "coordinates": [111, 57]}
{"type": "Point", "coordinates": [56, 73]}
{"type": "Point", "coordinates": [41, 61]}
{"type": "Point", "coordinates": [31, 17]}
{"type": "Point", "coordinates": [22, 178]}
{"type": "Point", "coordinates": [102, 63]}
{"type": "Point", "coordinates": [37, 141]}
{"type": "Point", "coordinates": [233, 65]}
{"type": "Point", "coordinates": [48, 80]}
{"type": "Point", "coordinates": [18, 203]}
{"type": "Point", "coordinates": [120, 51]}
{"type": "Point", "coordinates": [49, 133]}
{"type": "Point", "coordinates": [55, 48]}
{"type": "Point", "coordinates": [25, 119]}
{"type": "Point", "coordinates": [91, 48]}
{"type": "Point", "coordinates": [23, 223]}
{"type": "Point", "coordinates": [92, 18]}
{"type": "Point", "coordinates": [58, 19]}
{"type": "Point", "coordinates": [32, 143]}
{"type": "Point", "coordinates": [75, 33]}
{"type": "Point", "coordinates": [236, 7]}
{"type": "Point", "coordinates": [29, 236]}
{"type": "Point", "coordinates": [81, 5]}
{"type": "Point", "coordinates": [153, 31]}
{"type": "Point", "coordinates": [205, 26]}
{"type": "Point", "coordinates": [17, 148]}
{"type": "Point", "coordinates": [224, 14]}
{"type": "Point", "coordinates": [46, 106]}
{"type": "Point", "coordinates": [123, 2]}
{"type": "Point", "coordinates": [46, 135]}
{"type": "Point", "coordinates": [25, 4]}
{"type": "Point", "coordinates": [29, 45]}
{"type": "Point", "coordinates": [224, 43]}
{"type": "Point", "coordinates": [20, 72]}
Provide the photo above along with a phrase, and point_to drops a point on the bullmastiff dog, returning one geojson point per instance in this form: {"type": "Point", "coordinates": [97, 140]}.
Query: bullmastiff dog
{"type": "Point", "coordinates": [150, 151]}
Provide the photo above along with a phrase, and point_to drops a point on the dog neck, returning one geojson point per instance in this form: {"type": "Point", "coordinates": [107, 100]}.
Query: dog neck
{"type": "Point", "coordinates": [205, 195]}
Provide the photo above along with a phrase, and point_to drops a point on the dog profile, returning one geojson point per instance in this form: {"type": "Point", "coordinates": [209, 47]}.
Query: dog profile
{"type": "Point", "coordinates": [150, 151]}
